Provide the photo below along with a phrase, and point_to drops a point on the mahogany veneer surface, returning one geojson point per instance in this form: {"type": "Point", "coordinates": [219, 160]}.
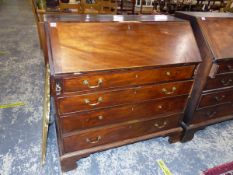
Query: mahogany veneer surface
{"type": "Point", "coordinates": [219, 35]}
{"type": "Point", "coordinates": [118, 79]}
{"type": "Point", "coordinates": [73, 103]}
{"type": "Point", "coordinates": [80, 47]}
{"type": "Point", "coordinates": [211, 99]}
{"type": "Point", "coordinates": [102, 117]}
{"type": "Point", "coordinates": [122, 78]}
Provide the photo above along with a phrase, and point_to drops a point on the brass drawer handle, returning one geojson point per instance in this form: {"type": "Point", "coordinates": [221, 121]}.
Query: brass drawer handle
{"type": "Point", "coordinates": [230, 67]}
{"type": "Point", "coordinates": [165, 91]}
{"type": "Point", "coordinates": [86, 82]}
{"type": "Point", "coordinates": [87, 101]}
{"type": "Point", "coordinates": [226, 83]}
{"type": "Point", "coordinates": [95, 140]}
{"type": "Point", "coordinates": [160, 126]}
{"type": "Point", "coordinates": [210, 114]}
{"type": "Point", "coordinates": [219, 99]}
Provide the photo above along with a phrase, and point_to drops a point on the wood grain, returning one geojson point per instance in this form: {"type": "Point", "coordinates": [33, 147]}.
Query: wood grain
{"type": "Point", "coordinates": [125, 78]}
{"type": "Point", "coordinates": [225, 66]}
{"type": "Point", "coordinates": [216, 97]}
{"type": "Point", "coordinates": [80, 47]}
{"type": "Point", "coordinates": [103, 117]}
{"type": "Point", "coordinates": [210, 100]}
{"type": "Point", "coordinates": [76, 103]}
{"type": "Point", "coordinates": [213, 113]}
{"type": "Point", "coordinates": [141, 67]}
{"type": "Point", "coordinates": [220, 40]}
{"type": "Point", "coordinates": [119, 132]}
{"type": "Point", "coordinates": [220, 81]}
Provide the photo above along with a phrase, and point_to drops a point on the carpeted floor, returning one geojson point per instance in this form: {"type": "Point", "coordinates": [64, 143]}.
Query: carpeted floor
{"type": "Point", "coordinates": [21, 80]}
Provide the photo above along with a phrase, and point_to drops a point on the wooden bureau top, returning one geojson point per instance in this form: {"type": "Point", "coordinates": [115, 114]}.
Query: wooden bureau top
{"type": "Point", "coordinates": [217, 29]}
{"type": "Point", "coordinates": [207, 14]}
{"type": "Point", "coordinates": [72, 17]}
{"type": "Point", "coordinates": [82, 47]}
{"type": "Point", "coordinates": [219, 34]}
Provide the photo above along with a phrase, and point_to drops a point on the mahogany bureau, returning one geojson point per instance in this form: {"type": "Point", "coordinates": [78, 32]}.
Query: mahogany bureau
{"type": "Point", "coordinates": [212, 96]}
{"type": "Point", "coordinates": [118, 79]}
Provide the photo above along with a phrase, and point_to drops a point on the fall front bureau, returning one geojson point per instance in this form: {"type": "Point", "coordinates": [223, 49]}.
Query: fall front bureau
{"type": "Point", "coordinates": [117, 80]}
{"type": "Point", "coordinates": [211, 101]}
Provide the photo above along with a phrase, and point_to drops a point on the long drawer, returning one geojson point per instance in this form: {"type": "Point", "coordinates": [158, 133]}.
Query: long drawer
{"type": "Point", "coordinates": [124, 78]}
{"type": "Point", "coordinates": [74, 103]}
{"type": "Point", "coordinates": [100, 136]}
{"type": "Point", "coordinates": [225, 66]}
{"type": "Point", "coordinates": [213, 112]}
{"type": "Point", "coordinates": [220, 81]}
{"type": "Point", "coordinates": [114, 115]}
{"type": "Point", "coordinates": [214, 98]}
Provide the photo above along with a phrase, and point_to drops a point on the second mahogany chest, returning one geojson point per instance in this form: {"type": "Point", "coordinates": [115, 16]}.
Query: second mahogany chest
{"type": "Point", "coordinates": [212, 96]}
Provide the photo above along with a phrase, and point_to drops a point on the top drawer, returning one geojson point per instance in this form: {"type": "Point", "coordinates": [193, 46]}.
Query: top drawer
{"type": "Point", "coordinates": [122, 78]}
{"type": "Point", "coordinates": [220, 81]}
{"type": "Point", "coordinates": [225, 66]}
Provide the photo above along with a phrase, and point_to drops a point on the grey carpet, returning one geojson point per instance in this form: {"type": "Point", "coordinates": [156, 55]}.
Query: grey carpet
{"type": "Point", "coordinates": [21, 79]}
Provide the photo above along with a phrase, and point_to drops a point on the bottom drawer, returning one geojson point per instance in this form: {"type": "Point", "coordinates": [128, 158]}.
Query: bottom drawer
{"type": "Point", "coordinates": [213, 113]}
{"type": "Point", "coordinates": [104, 135]}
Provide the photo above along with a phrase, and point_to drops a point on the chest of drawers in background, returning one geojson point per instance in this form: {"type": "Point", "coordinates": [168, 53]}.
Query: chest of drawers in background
{"type": "Point", "coordinates": [212, 97]}
{"type": "Point", "coordinates": [118, 82]}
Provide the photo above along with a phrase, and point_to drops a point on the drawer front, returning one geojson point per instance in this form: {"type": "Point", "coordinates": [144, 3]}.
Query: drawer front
{"type": "Point", "coordinates": [69, 104]}
{"type": "Point", "coordinates": [106, 80]}
{"type": "Point", "coordinates": [220, 81]}
{"type": "Point", "coordinates": [226, 66]}
{"type": "Point", "coordinates": [213, 112]}
{"type": "Point", "coordinates": [113, 115]}
{"type": "Point", "coordinates": [115, 133]}
{"type": "Point", "coordinates": [215, 98]}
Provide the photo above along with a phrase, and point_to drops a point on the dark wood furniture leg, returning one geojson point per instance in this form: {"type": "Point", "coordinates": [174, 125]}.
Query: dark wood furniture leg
{"type": "Point", "coordinates": [68, 164]}
{"type": "Point", "coordinates": [175, 137]}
